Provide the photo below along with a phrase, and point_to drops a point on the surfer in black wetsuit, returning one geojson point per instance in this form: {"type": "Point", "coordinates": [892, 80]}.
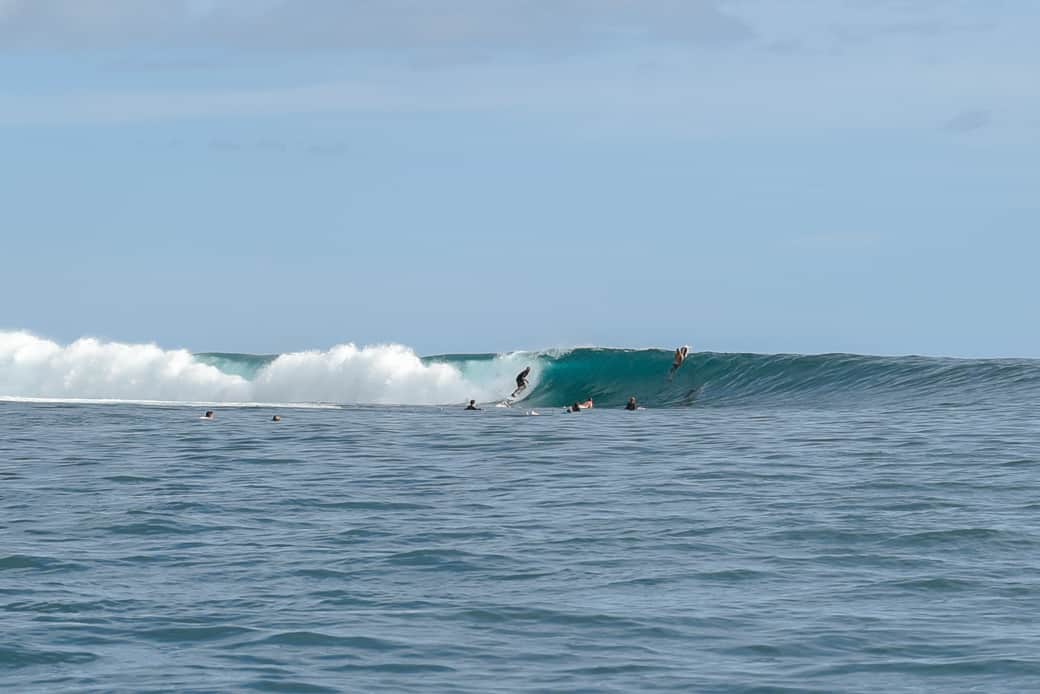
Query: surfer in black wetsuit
{"type": "Point", "coordinates": [521, 382]}
{"type": "Point", "coordinates": [632, 404]}
{"type": "Point", "coordinates": [472, 405]}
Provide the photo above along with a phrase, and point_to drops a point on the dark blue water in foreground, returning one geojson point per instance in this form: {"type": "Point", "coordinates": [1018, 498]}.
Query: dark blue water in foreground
{"type": "Point", "coordinates": [860, 548]}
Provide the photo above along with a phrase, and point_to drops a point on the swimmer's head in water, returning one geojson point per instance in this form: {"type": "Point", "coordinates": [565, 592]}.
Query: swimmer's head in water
{"type": "Point", "coordinates": [276, 418]}
{"type": "Point", "coordinates": [209, 414]}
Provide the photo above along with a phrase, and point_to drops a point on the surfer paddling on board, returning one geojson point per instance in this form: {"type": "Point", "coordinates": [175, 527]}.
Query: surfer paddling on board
{"type": "Point", "coordinates": [680, 357]}
{"type": "Point", "coordinates": [521, 382]}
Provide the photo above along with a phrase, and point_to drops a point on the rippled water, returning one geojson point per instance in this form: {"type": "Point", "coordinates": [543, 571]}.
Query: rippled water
{"type": "Point", "coordinates": [389, 549]}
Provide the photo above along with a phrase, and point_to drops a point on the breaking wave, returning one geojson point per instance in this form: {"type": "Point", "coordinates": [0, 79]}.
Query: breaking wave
{"type": "Point", "coordinates": [92, 369]}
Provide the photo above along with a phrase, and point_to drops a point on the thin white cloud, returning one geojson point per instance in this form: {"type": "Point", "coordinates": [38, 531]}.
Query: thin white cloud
{"type": "Point", "coordinates": [599, 66]}
{"type": "Point", "coordinates": [836, 242]}
{"type": "Point", "coordinates": [969, 120]}
{"type": "Point", "coordinates": [594, 97]}
{"type": "Point", "coordinates": [415, 27]}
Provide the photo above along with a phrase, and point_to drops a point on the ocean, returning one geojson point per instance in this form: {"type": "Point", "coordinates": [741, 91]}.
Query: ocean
{"type": "Point", "coordinates": [768, 523]}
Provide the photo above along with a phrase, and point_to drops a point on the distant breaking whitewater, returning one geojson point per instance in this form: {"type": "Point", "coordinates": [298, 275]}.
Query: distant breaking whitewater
{"type": "Point", "coordinates": [91, 369]}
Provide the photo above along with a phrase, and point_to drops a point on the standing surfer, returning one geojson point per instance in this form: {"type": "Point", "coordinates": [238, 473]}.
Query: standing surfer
{"type": "Point", "coordinates": [680, 357]}
{"type": "Point", "coordinates": [521, 382]}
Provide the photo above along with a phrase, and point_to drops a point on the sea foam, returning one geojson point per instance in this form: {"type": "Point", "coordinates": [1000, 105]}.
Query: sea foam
{"type": "Point", "coordinates": [89, 368]}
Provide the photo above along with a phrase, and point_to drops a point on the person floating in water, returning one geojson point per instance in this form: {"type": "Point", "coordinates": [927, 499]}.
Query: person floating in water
{"type": "Point", "coordinates": [521, 382]}
{"type": "Point", "coordinates": [579, 406]}
{"type": "Point", "coordinates": [472, 405]}
{"type": "Point", "coordinates": [209, 415]}
{"type": "Point", "coordinates": [680, 357]}
{"type": "Point", "coordinates": [632, 404]}
{"type": "Point", "coordinates": [276, 418]}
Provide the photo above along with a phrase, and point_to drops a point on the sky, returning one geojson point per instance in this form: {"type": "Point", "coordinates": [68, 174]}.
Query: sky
{"type": "Point", "coordinates": [490, 175]}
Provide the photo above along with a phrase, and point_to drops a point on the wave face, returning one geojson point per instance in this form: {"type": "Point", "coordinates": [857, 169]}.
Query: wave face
{"type": "Point", "coordinates": [610, 376]}
{"type": "Point", "coordinates": [32, 367]}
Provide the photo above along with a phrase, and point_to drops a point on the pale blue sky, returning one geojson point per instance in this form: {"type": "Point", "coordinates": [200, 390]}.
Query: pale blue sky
{"type": "Point", "coordinates": [483, 175]}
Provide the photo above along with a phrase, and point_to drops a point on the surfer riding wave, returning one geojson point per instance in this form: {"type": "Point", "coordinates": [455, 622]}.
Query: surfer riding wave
{"type": "Point", "coordinates": [521, 382]}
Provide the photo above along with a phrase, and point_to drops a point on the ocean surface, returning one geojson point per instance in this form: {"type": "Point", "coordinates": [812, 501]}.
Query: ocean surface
{"type": "Point", "coordinates": [831, 523]}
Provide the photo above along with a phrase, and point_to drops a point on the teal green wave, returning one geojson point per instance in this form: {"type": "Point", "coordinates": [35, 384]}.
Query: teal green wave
{"type": "Point", "coordinates": [611, 376]}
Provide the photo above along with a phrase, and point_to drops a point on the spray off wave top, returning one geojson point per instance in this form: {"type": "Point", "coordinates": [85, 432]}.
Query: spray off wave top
{"type": "Point", "coordinates": [87, 369]}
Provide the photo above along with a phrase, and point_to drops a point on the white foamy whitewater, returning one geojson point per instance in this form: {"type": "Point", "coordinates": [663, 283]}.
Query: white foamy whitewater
{"type": "Point", "coordinates": [91, 369]}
